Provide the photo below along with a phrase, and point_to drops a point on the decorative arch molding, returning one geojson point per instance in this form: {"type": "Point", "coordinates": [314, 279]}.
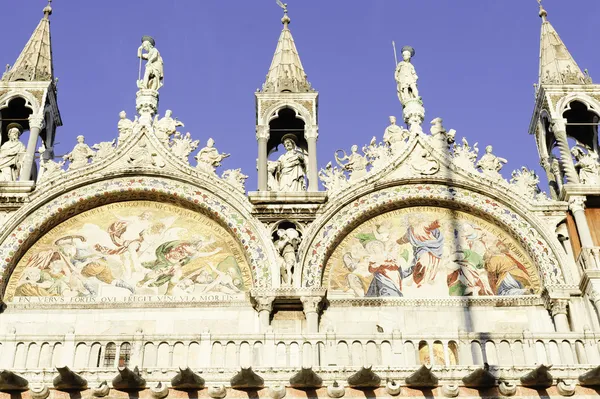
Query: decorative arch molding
{"type": "Point", "coordinates": [564, 104]}
{"type": "Point", "coordinates": [540, 244]}
{"type": "Point", "coordinates": [301, 112]}
{"type": "Point", "coordinates": [30, 101]}
{"type": "Point", "coordinates": [34, 220]}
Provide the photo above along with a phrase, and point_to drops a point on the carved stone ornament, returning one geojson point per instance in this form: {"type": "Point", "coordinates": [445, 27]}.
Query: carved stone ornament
{"type": "Point", "coordinates": [154, 70]}
{"type": "Point", "coordinates": [365, 378]}
{"type": "Point", "coordinates": [125, 126]}
{"type": "Point", "coordinates": [539, 378]}
{"type": "Point", "coordinates": [159, 391]}
{"type": "Point", "coordinates": [590, 378]}
{"type": "Point", "coordinates": [490, 165]}
{"type": "Point", "coordinates": [103, 150]}
{"type": "Point", "coordinates": [566, 388]}
{"type": "Point", "coordinates": [311, 304]}
{"type": "Point", "coordinates": [217, 391]}
{"type": "Point", "coordinates": [209, 158]}
{"type": "Point", "coordinates": [129, 380]}
{"type": "Point", "coordinates": [263, 303]}
{"type": "Point", "coordinates": [507, 388]}
{"type": "Point", "coordinates": [11, 382]}
{"type": "Point", "coordinates": [378, 154]}
{"type": "Point", "coordinates": [306, 378]}
{"type": "Point", "coordinates": [39, 391]}
{"type": "Point", "coordinates": [182, 146]}
{"type": "Point", "coordinates": [577, 204]}
{"type": "Point", "coordinates": [12, 154]}
{"type": "Point", "coordinates": [80, 155]}
{"type": "Point", "coordinates": [422, 378]}
{"type": "Point", "coordinates": [247, 379]}
{"type": "Point", "coordinates": [395, 136]}
{"type": "Point", "coordinates": [236, 178]}
{"type": "Point", "coordinates": [559, 306]}
{"type": "Point", "coordinates": [101, 390]}
{"type": "Point", "coordinates": [465, 155]}
{"type": "Point", "coordinates": [425, 164]}
{"type": "Point", "coordinates": [67, 380]}
{"type": "Point", "coordinates": [525, 182]}
{"type": "Point", "coordinates": [142, 156]}
{"type": "Point", "coordinates": [392, 388]}
{"type": "Point", "coordinates": [355, 164]}
{"type": "Point", "coordinates": [286, 245]}
{"type": "Point", "coordinates": [186, 379]}
{"type": "Point", "coordinates": [480, 378]}
{"type": "Point", "coordinates": [440, 139]}
{"type": "Point", "coordinates": [450, 390]}
{"type": "Point", "coordinates": [277, 391]}
{"type": "Point", "coordinates": [166, 127]}
{"type": "Point", "coordinates": [49, 168]}
{"type": "Point", "coordinates": [333, 178]}
{"type": "Point", "coordinates": [335, 390]}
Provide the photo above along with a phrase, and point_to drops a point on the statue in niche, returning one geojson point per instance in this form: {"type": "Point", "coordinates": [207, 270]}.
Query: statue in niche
{"type": "Point", "coordinates": [587, 166]}
{"type": "Point", "coordinates": [12, 153]}
{"type": "Point", "coordinates": [166, 126]}
{"type": "Point", "coordinates": [490, 164]}
{"type": "Point", "coordinates": [236, 178]}
{"type": "Point", "coordinates": [395, 136]}
{"type": "Point", "coordinates": [290, 169]}
{"type": "Point", "coordinates": [80, 155]}
{"type": "Point", "coordinates": [406, 76]}
{"type": "Point", "coordinates": [356, 164]}
{"type": "Point", "coordinates": [182, 146]}
{"type": "Point", "coordinates": [154, 71]}
{"type": "Point", "coordinates": [209, 158]}
{"type": "Point", "coordinates": [333, 179]}
{"type": "Point", "coordinates": [125, 126]}
{"type": "Point", "coordinates": [49, 167]}
{"type": "Point", "coordinates": [287, 244]}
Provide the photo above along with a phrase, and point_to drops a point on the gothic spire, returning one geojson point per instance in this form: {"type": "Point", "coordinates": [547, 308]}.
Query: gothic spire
{"type": "Point", "coordinates": [286, 73]}
{"type": "Point", "coordinates": [557, 66]}
{"type": "Point", "coordinates": [35, 61]}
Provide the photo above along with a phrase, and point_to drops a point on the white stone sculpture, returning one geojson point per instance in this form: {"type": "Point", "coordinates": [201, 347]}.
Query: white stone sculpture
{"type": "Point", "coordinates": [406, 76]}
{"type": "Point", "coordinates": [490, 164]}
{"type": "Point", "coordinates": [154, 71]}
{"type": "Point", "coordinates": [287, 244]}
{"type": "Point", "coordinates": [525, 182]}
{"type": "Point", "coordinates": [236, 178]}
{"type": "Point", "coordinates": [141, 156]}
{"type": "Point", "coordinates": [209, 158]}
{"type": "Point", "coordinates": [103, 150]}
{"type": "Point", "coordinates": [290, 169]}
{"type": "Point", "coordinates": [356, 164]}
{"type": "Point", "coordinates": [48, 167]}
{"type": "Point", "coordinates": [377, 153]}
{"type": "Point", "coordinates": [125, 126]}
{"type": "Point", "coordinates": [183, 145]}
{"type": "Point", "coordinates": [425, 164]}
{"type": "Point", "coordinates": [333, 178]}
{"type": "Point", "coordinates": [11, 154]}
{"type": "Point", "coordinates": [272, 183]}
{"type": "Point", "coordinates": [395, 136]}
{"type": "Point", "coordinates": [440, 139]}
{"type": "Point", "coordinates": [80, 155]}
{"type": "Point", "coordinates": [166, 127]}
{"type": "Point", "coordinates": [587, 165]}
{"type": "Point", "coordinates": [465, 155]}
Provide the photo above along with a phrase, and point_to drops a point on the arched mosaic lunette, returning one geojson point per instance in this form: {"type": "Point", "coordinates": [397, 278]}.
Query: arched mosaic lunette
{"type": "Point", "coordinates": [374, 203]}
{"type": "Point", "coordinates": [47, 214]}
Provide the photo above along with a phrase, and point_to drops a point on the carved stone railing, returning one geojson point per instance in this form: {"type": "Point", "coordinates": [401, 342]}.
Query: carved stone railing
{"type": "Point", "coordinates": [589, 258]}
{"type": "Point", "coordinates": [163, 355]}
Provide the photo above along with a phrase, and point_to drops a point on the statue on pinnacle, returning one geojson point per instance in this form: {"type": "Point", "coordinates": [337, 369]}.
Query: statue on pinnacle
{"type": "Point", "coordinates": [154, 72]}
{"type": "Point", "coordinates": [406, 76]}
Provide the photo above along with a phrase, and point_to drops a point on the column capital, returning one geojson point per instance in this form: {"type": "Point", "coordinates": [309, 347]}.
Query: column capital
{"type": "Point", "coordinates": [558, 306]}
{"type": "Point", "coordinates": [263, 132]}
{"type": "Point", "coordinates": [36, 121]}
{"type": "Point", "coordinates": [577, 203]}
{"type": "Point", "coordinates": [311, 132]}
{"type": "Point", "coordinates": [559, 125]}
{"type": "Point", "coordinates": [264, 303]}
{"type": "Point", "coordinates": [311, 304]}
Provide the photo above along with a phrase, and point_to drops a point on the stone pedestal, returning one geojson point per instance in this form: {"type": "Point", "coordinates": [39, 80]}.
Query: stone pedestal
{"type": "Point", "coordinates": [414, 114]}
{"type": "Point", "coordinates": [146, 104]}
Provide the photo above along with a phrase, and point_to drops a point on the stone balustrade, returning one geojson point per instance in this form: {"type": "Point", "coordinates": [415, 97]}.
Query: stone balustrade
{"type": "Point", "coordinates": [160, 354]}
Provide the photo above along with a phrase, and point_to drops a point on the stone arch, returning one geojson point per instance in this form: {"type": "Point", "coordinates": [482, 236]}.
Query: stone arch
{"type": "Point", "coordinates": [30, 101]}
{"type": "Point", "coordinates": [38, 217]}
{"type": "Point", "coordinates": [301, 112]}
{"type": "Point", "coordinates": [562, 105]}
{"type": "Point", "coordinates": [334, 226]}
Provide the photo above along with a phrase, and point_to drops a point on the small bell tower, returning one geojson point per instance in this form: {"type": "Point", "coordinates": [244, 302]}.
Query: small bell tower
{"type": "Point", "coordinates": [565, 126]}
{"type": "Point", "coordinates": [287, 122]}
{"type": "Point", "coordinates": [28, 98]}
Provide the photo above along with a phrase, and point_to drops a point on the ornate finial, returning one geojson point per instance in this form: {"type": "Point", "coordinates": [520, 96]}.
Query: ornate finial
{"type": "Point", "coordinates": [543, 12]}
{"type": "Point", "coordinates": [48, 9]}
{"type": "Point", "coordinates": [285, 20]}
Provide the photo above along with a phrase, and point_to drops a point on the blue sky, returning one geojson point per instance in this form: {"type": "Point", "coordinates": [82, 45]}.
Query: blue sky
{"type": "Point", "coordinates": [476, 60]}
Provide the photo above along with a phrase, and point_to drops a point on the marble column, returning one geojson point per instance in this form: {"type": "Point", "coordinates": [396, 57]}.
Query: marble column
{"type": "Point", "coordinates": [262, 136]}
{"type": "Point", "coordinates": [311, 134]}
{"type": "Point", "coordinates": [559, 128]}
{"type": "Point", "coordinates": [311, 306]}
{"type": "Point", "coordinates": [558, 309]}
{"type": "Point", "coordinates": [36, 124]}
{"type": "Point", "coordinates": [264, 306]}
{"type": "Point", "coordinates": [577, 207]}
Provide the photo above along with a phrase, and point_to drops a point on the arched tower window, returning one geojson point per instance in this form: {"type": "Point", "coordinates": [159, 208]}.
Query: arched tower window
{"type": "Point", "coordinates": [582, 126]}
{"type": "Point", "coordinates": [286, 123]}
{"type": "Point", "coordinates": [110, 355]}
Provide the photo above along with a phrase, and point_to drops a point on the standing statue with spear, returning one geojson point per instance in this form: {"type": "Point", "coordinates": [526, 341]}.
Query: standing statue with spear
{"type": "Point", "coordinates": [154, 73]}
